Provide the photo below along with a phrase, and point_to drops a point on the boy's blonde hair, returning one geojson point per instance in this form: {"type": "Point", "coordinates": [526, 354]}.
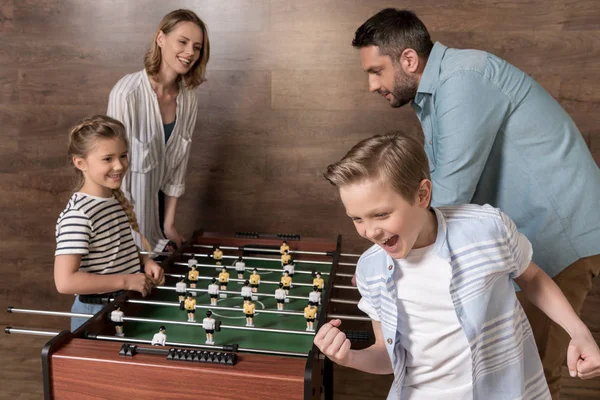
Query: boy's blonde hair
{"type": "Point", "coordinates": [393, 158]}
{"type": "Point", "coordinates": [81, 141]}
{"type": "Point", "coordinates": [197, 74]}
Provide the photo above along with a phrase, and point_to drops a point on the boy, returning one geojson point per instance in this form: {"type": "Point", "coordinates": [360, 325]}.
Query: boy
{"type": "Point", "coordinates": [438, 286]}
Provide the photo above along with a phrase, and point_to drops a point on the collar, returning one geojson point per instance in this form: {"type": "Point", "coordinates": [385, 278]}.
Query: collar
{"type": "Point", "coordinates": [431, 73]}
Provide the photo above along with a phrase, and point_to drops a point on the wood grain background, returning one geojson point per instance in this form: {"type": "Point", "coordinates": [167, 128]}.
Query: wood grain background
{"type": "Point", "coordinates": [285, 97]}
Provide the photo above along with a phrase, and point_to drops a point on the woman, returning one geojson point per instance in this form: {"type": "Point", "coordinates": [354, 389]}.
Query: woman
{"type": "Point", "coordinates": [158, 107]}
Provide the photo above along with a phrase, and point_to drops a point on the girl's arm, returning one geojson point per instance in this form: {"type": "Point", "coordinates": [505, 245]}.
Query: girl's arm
{"type": "Point", "coordinates": [333, 343]}
{"type": "Point", "coordinates": [69, 280]}
{"type": "Point", "coordinates": [583, 355]}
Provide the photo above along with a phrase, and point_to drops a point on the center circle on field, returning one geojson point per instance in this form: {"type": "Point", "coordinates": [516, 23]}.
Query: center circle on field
{"type": "Point", "coordinates": [236, 305]}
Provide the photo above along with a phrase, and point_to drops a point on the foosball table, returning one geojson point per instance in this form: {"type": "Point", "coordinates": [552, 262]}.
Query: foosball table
{"type": "Point", "coordinates": [208, 348]}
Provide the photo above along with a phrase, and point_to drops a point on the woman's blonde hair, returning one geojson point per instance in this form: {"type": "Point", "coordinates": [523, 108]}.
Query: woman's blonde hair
{"type": "Point", "coordinates": [197, 74]}
{"type": "Point", "coordinates": [82, 138]}
{"type": "Point", "coordinates": [393, 158]}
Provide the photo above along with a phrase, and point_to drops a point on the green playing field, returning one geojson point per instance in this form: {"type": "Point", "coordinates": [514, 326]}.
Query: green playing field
{"type": "Point", "coordinates": [245, 337]}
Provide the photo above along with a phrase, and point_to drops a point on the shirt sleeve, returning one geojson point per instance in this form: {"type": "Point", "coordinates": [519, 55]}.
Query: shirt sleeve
{"type": "Point", "coordinates": [73, 233]}
{"type": "Point", "coordinates": [364, 303]}
{"type": "Point", "coordinates": [519, 247]}
{"type": "Point", "coordinates": [469, 111]}
{"type": "Point", "coordinates": [175, 185]}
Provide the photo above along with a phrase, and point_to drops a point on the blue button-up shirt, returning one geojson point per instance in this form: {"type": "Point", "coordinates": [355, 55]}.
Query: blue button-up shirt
{"type": "Point", "coordinates": [485, 252]}
{"type": "Point", "coordinates": [493, 135]}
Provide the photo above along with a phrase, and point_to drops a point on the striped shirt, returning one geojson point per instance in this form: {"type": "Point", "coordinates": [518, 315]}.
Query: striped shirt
{"type": "Point", "coordinates": [485, 252]}
{"type": "Point", "coordinates": [153, 164]}
{"type": "Point", "coordinates": [98, 229]}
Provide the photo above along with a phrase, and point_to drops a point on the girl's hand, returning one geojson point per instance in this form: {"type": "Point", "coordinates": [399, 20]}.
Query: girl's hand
{"type": "Point", "coordinates": [333, 342]}
{"type": "Point", "coordinates": [139, 283]}
{"type": "Point", "coordinates": [154, 271]}
{"type": "Point", "coordinates": [583, 357]}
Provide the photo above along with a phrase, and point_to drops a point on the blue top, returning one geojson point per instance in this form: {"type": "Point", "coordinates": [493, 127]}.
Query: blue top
{"type": "Point", "coordinates": [485, 252]}
{"type": "Point", "coordinates": [494, 135]}
{"type": "Point", "coordinates": [168, 130]}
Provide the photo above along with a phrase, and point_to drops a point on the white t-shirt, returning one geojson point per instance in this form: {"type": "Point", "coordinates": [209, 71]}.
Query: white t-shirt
{"type": "Point", "coordinates": [208, 323]}
{"type": "Point", "coordinates": [180, 287]}
{"type": "Point", "coordinates": [315, 297]}
{"type": "Point", "coordinates": [213, 288]}
{"type": "Point", "coordinates": [116, 316]}
{"type": "Point", "coordinates": [280, 294]}
{"type": "Point", "coordinates": [159, 338]}
{"type": "Point", "coordinates": [438, 364]}
{"type": "Point", "coordinates": [289, 268]}
{"type": "Point", "coordinates": [240, 266]}
{"type": "Point", "coordinates": [246, 291]}
{"type": "Point", "coordinates": [192, 262]}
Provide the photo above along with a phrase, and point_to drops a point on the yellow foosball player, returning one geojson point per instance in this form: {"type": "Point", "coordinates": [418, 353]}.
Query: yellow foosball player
{"type": "Point", "coordinates": [286, 257]}
{"type": "Point", "coordinates": [286, 279]}
{"type": "Point", "coordinates": [190, 307]}
{"type": "Point", "coordinates": [193, 278]}
{"type": "Point", "coordinates": [284, 247]}
{"type": "Point", "coordinates": [218, 255]}
{"type": "Point", "coordinates": [223, 278]}
{"type": "Point", "coordinates": [249, 308]}
{"type": "Point", "coordinates": [310, 313]}
{"type": "Point", "coordinates": [254, 280]}
{"type": "Point", "coordinates": [318, 282]}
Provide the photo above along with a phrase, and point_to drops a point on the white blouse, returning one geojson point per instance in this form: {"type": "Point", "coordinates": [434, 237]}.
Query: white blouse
{"type": "Point", "coordinates": [153, 165]}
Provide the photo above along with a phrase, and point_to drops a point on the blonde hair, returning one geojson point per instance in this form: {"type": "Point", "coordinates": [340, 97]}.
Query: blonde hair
{"type": "Point", "coordinates": [197, 74]}
{"type": "Point", "coordinates": [81, 141]}
{"type": "Point", "coordinates": [393, 158]}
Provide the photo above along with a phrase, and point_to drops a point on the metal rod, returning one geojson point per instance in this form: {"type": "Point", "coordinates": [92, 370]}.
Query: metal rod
{"type": "Point", "coordinates": [258, 268]}
{"type": "Point", "coordinates": [257, 259]}
{"type": "Point", "coordinates": [199, 346]}
{"type": "Point", "coordinates": [350, 255]}
{"type": "Point", "coordinates": [278, 251]}
{"type": "Point", "coordinates": [343, 301]}
{"type": "Point", "coordinates": [173, 304]}
{"type": "Point", "coordinates": [231, 292]}
{"type": "Point", "coordinates": [54, 313]}
{"type": "Point", "coordinates": [10, 329]}
{"type": "Point", "coordinates": [345, 287]}
{"type": "Point", "coordinates": [350, 264]}
{"type": "Point", "coordinates": [348, 317]}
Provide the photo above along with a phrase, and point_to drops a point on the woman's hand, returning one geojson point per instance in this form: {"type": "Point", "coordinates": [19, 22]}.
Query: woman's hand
{"type": "Point", "coordinates": [174, 236]}
{"type": "Point", "coordinates": [154, 271]}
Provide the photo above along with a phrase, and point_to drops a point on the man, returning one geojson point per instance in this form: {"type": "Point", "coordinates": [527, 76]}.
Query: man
{"type": "Point", "coordinates": [494, 135]}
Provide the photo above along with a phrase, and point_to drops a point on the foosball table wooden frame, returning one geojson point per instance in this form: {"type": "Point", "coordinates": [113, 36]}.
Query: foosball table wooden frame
{"type": "Point", "coordinates": [75, 366]}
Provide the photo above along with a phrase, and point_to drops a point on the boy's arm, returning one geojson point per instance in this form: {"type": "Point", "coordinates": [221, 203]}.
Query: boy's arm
{"type": "Point", "coordinates": [333, 343]}
{"type": "Point", "coordinates": [583, 355]}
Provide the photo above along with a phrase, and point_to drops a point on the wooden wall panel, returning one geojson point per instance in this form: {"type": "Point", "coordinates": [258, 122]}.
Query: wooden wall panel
{"type": "Point", "coordinates": [285, 97]}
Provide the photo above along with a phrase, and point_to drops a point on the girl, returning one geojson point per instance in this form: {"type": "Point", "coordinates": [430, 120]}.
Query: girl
{"type": "Point", "coordinates": [158, 107]}
{"type": "Point", "coordinates": [95, 250]}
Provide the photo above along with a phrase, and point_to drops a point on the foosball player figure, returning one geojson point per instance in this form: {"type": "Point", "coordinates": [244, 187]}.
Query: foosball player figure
{"type": "Point", "coordinates": [217, 255]}
{"type": "Point", "coordinates": [208, 324]}
{"type": "Point", "coordinates": [280, 297]}
{"type": "Point", "coordinates": [193, 278]}
{"type": "Point", "coordinates": [213, 291]}
{"type": "Point", "coordinates": [315, 295]}
{"type": "Point", "coordinates": [190, 307]}
{"type": "Point", "coordinates": [192, 262]}
{"type": "Point", "coordinates": [310, 313]}
{"type": "Point", "coordinates": [246, 291]}
{"type": "Point", "coordinates": [318, 281]}
{"type": "Point", "coordinates": [116, 316]}
{"type": "Point", "coordinates": [223, 278]}
{"type": "Point", "coordinates": [286, 280]}
{"type": "Point", "coordinates": [159, 338]}
{"type": "Point", "coordinates": [290, 268]}
{"type": "Point", "coordinates": [249, 308]}
{"type": "Point", "coordinates": [284, 246]}
{"type": "Point", "coordinates": [254, 280]}
{"type": "Point", "coordinates": [240, 267]}
{"type": "Point", "coordinates": [285, 258]}
{"type": "Point", "coordinates": [181, 288]}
